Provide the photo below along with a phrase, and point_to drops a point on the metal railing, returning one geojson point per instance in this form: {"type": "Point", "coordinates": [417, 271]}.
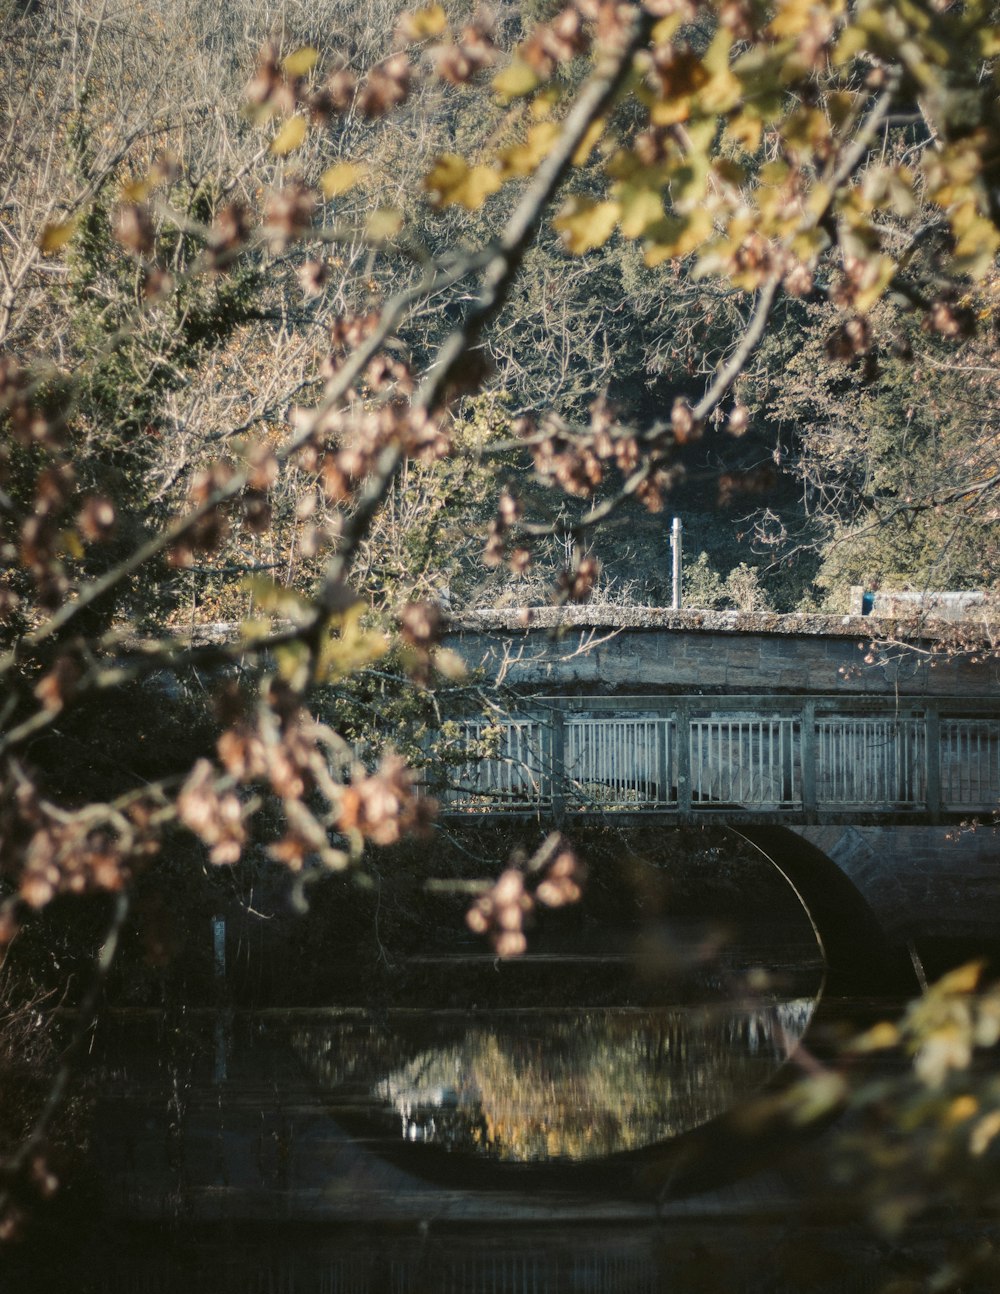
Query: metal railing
{"type": "Point", "coordinates": [742, 758]}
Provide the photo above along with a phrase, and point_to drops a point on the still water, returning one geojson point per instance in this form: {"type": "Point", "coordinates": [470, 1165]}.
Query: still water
{"type": "Point", "coordinates": [227, 1114]}
{"type": "Point", "coordinates": [533, 1087]}
{"type": "Point", "coordinates": [459, 1124]}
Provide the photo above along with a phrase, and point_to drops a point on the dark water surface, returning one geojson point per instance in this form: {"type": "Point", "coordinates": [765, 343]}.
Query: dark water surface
{"type": "Point", "coordinates": [461, 1125]}
{"type": "Point", "coordinates": [226, 1114]}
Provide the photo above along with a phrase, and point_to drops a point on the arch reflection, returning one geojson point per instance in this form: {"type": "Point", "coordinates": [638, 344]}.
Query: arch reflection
{"type": "Point", "coordinates": [552, 1085]}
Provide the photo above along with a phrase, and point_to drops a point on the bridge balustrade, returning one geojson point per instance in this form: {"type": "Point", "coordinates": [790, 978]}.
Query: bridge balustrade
{"type": "Point", "coordinates": [744, 759]}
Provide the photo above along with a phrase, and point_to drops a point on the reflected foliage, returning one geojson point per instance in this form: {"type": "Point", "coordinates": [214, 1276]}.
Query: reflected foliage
{"type": "Point", "coordinates": [558, 1085]}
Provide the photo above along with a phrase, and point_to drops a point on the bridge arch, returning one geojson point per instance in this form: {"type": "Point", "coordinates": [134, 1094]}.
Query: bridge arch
{"type": "Point", "coordinates": [858, 950]}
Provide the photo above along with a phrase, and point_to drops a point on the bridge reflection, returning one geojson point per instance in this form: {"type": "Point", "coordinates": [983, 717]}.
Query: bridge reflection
{"type": "Point", "coordinates": [741, 759]}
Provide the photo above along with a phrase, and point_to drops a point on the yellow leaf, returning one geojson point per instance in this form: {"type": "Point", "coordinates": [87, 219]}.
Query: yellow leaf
{"type": "Point", "coordinates": [723, 90]}
{"type": "Point", "coordinates": [774, 174]}
{"type": "Point", "coordinates": [806, 129]}
{"type": "Point", "coordinates": [744, 132]}
{"type": "Point", "coordinates": [698, 229]}
{"type": "Point", "coordinates": [293, 663]}
{"type": "Point", "coordinates": [290, 136]}
{"type": "Point", "coordinates": [301, 61]}
{"type": "Point", "coordinates": [729, 172]}
{"type": "Point", "coordinates": [663, 240]}
{"type": "Point", "coordinates": [252, 631]}
{"type": "Point", "coordinates": [809, 243]}
{"type": "Point", "coordinates": [351, 650]}
{"type": "Point", "coordinates": [56, 235]}
{"type": "Point", "coordinates": [421, 23]}
{"type": "Point", "coordinates": [585, 225]}
{"type": "Point", "coordinates": [877, 1038]}
{"type": "Point", "coordinates": [689, 181]}
{"type": "Point", "coordinates": [451, 181]}
{"type": "Point", "coordinates": [278, 599]}
{"type": "Point", "coordinates": [880, 278]}
{"type": "Point", "coordinates": [976, 249]}
{"type": "Point", "coordinates": [961, 1108]}
{"type": "Point", "coordinates": [383, 223]}
{"type": "Point", "coordinates": [792, 18]}
{"type": "Point", "coordinates": [819, 199]}
{"type": "Point", "coordinates": [989, 41]}
{"type": "Point", "coordinates": [963, 216]}
{"type": "Point", "coordinates": [449, 664]}
{"type": "Point", "coordinates": [71, 544]}
{"type": "Point", "coordinates": [586, 145]}
{"type": "Point", "coordinates": [851, 43]}
{"type": "Point", "coordinates": [515, 81]}
{"type": "Point", "coordinates": [816, 1097]}
{"type": "Point", "coordinates": [543, 102]}
{"type": "Point", "coordinates": [840, 105]}
{"type": "Point", "coordinates": [963, 979]}
{"type": "Point", "coordinates": [677, 236]}
{"type": "Point", "coordinates": [899, 191]}
{"type": "Point", "coordinates": [341, 177]}
{"type": "Point", "coordinates": [672, 111]}
{"type": "Point", "coordinates": [522, 159]}
{"type": "Point", "coordinates": [641, 207]}
{"type": "Point", "coordinates": [666, 28]}
{"type": "Point", "coordinates": [984, 1132]}
{"type": "Point", "coordinates": [136, 191]}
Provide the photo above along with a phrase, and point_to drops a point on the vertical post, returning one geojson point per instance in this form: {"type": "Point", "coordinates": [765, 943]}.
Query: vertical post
{"type": "Point", "coordinates": [675, 547]}
{"type": "Point", "coordinates": [219, 947]}
{"type": "Point", "coordinates": [557, 763]}
{"type": "Point", "coordinates": [932, 759]}
{"type": "Point", "coordinates": [663, 758]}
{"type": "Point", "coordinates": [807, 756]}
{"type": "Point", "coordinates": [220, 1029]}
{"type": "Point", "coordinates": [682, 727]}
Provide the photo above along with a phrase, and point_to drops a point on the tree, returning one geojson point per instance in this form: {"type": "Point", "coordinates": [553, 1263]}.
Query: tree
{"type": "Point", "coordinates": [234, 343]}
{"type": "Point", "coordinates": [897, 455]}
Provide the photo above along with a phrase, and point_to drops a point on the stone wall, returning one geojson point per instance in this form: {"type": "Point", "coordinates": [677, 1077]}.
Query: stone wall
{"type": "Point", "coordinates": [921, 882]}
{"type": "Point", "coordinates": [643, 650]}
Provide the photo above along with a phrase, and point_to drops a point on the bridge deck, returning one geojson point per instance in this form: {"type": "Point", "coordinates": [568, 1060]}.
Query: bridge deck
{"type": "Point", "coordinates": [752, 758]}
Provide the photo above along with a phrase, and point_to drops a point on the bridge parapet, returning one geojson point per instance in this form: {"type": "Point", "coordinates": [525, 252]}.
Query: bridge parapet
{"type": "Point", "coordinates": [629, 650]}
{"type": "Point", "coordinates": [737, 759]}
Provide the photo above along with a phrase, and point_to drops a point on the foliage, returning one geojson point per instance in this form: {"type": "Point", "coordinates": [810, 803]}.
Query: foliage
{"type": "Point", "coordinates": [897, 456]}
{"type": "Point", "coordinates": [703, 586]}
{"type": "Point", "coordinates": [744, 589]}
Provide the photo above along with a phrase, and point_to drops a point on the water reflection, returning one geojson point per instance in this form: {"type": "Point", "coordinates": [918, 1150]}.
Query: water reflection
{"type": "Point", "coordinates": [530, 1087]}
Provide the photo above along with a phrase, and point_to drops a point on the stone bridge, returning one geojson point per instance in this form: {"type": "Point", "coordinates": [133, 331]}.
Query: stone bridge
{"type": "Point", "coordinates": [856, 754]}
